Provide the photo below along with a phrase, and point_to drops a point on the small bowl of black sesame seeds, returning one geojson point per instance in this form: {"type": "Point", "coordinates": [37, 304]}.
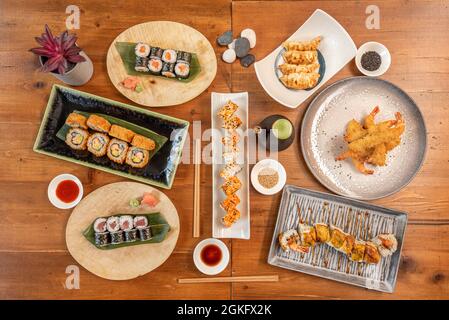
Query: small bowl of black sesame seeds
{"type": "Point", "coordinates": [373, 59]}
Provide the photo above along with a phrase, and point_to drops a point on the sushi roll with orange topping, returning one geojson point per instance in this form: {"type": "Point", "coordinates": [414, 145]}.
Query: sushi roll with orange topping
{"type": "Point", "coordinates": [372, 255]}
{"type": "Point", "coordinates": [121, 133]}
{"type": "Point", "coordinates": [98, 123]}
{"type": "Point", "coordinates": [143, 142]}
{"type": "Point", "coordinates": [337, 238]}
{"type": "Point", "coordinates": [322, 232]}
{"type": "Point", "coordinates": [76, 120]}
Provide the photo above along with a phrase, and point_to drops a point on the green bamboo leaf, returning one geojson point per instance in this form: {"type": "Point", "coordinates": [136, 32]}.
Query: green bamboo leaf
{"type": "Point", "coordinates": [128, 55]}
{"type": "Point", "coordinates": [157, 138]}
{"type": "Point", "coordinates": [158, 224]}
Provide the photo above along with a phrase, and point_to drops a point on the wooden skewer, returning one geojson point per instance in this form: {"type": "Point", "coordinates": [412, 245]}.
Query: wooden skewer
{"type": "Point", "coordinates": [271, 278]}
{"type": "Point", "coordinates": [196, 200]}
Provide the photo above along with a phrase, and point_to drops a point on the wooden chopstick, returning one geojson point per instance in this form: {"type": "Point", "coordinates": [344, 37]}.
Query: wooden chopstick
{"type": "Point", "coordinates": [271, 278]}
{"type": "Point", "coordinates": [196, 199]}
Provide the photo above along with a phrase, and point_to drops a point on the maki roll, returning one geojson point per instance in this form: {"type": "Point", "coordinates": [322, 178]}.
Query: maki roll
{"type": "Point", "coordinates": [169, 56]}
{"type": "Point", "coordinates": [372, 255]}
{"type": "Point", "coordinates": [76, 138]}
{"type": "Point", "coordinates": [137, 158]}
{"type": "Point", "coordinates": [117, 237]}
{"type": "Point", "coordinates": [142, 50]}
{"type": "Point", "coordinates": [182, 70]}
{"type": "Point", "coordinates": [156, 52]}
{"type": "Point", "coordinates": [337, 238]}
{"type": "Point", "coordinates": [131, 235]}
{"type": "Point", "coordinates": [140, 222]}
{"type": "Point", "coordinates": [386, 243]}
{"type": "Point", "coordinates": [168, 70]}
{"type": "Point", "coordinates": [101, 239]}
{"type": "Point", "coordinates": [98, 123]}
{"type": "Point", "coordinates": [100, 225]}
{"type": "Point", "coordinates": [322, 232]}
{"type": "Point", "coordinates": [143, 142]}
{"type": "Point", "coordinates": [145, 233]}
{"type": "Point", "coordinates": [97, 144]}
{"type": "Point", "coordinates": [121, 133]}
{"type": "Point", "coordinates": [141, 64]}
{"type": "Point", "coordinates": [307, 235]}
{"type": "Point", "coordinates": [155, 65]}
{"type": "Point", "coordinates": [126, 223]}
{"type": "Point", "coordinates": [117, 150]}
{"type": "Point", "coordinates": [348, 245]}
{"type": "Point", "coordinates": [184, 57]}
{"type": "Point", "coordinates": [76, 120]}
{"type": "Point", "coordinates": [112, 224]}
{"type": "Point", "coordinates": [358, 251]}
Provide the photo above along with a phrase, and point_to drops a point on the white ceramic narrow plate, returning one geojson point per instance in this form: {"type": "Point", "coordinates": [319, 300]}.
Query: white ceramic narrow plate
{"type": "Point", "coordinates": [240, 229]}
{"type": "Point", "coordinates": [325, 122]}
{"type": "Point", "coordinates": [268, 163]}
{"type": "Point", "coordinates": [201, 266]}
{"type": "Point", "coordinates": [336, 47]}
{"type": "Point", "coordinates": [51, 191]}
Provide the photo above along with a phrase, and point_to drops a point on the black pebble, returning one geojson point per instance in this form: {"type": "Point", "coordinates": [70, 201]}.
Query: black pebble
{"type": "Point", "coordinates": [247, 60]}
{"type": "Point", "coordinates": [225, 38]}
{"type": "Point", "coordinates": [241, 47]}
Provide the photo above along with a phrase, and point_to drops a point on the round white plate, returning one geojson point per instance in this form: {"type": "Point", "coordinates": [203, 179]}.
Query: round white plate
{"type": "Point", "coordinates": [273, 164]}
{"type": "Point", "coordinates": [51, 191]}
{"type": "Point", "coordinates": [208, 269]}
{"type": "Point", "coordinates": [325, 122]}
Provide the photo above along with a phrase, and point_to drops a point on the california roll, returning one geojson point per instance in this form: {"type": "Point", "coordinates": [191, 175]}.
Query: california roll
{"type": "Point", "coordinates": [117, 150]}
{"type": "Point", "coordinates": [76, 138]}
{"type": "Point", "coordinates": [137, 158]}
{"type": "Point", "coordinates": [98, 144]}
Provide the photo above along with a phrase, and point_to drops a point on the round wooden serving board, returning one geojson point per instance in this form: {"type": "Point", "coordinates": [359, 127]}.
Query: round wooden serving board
{"type": "Point", "coordinates": [160, 92]}
{"type": "Point", "coordinates": [126, 262]}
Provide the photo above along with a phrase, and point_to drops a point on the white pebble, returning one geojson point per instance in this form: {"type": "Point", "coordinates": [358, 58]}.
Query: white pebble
{"type": "Point", "coordinates": [229, 56]}
{"type": "Point", "coordinates": [232, 44]}
{"type": "Point", "coordinates": [249, 34]}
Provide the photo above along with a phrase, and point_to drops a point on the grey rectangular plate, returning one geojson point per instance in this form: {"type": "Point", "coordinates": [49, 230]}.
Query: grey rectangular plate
{"type": "Point", "coordinates": [363, 220]}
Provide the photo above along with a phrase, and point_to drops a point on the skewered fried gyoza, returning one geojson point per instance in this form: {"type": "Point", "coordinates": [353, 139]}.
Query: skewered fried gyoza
{"type": "Point", "coordinates": [302, 45]}
{"type": "Point", "coordinates": [371, 142]}
{"type": "Point", "coordinates": [306, 236]}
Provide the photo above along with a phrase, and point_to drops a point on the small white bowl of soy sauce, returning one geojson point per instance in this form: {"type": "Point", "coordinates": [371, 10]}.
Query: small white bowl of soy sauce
{"type": "Point", "coordinates": [373, 59]}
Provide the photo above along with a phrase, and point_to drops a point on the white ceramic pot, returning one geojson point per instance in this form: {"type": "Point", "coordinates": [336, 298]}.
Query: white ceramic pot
{"type": "Point", "coordinates": [79, 75]}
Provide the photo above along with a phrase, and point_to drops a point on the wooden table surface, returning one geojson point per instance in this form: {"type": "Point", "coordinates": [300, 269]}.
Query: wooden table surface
{"type": "Point", "coordinates": [33, 254]}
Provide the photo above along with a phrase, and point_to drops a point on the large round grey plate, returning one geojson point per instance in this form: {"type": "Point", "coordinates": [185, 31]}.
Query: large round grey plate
{"type": "Point", "coordinates": [325, 123]}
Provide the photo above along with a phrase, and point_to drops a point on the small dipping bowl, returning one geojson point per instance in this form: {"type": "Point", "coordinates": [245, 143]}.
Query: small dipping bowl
{"type": "Point", "coordinates": [268, 164]}
{"type": "Point", "coordinates": [268, 124]}
{"type": "Point", "coordinates": [202, 266]}
{"type": "Point", "coordinates": [51, 191]}
{"type": "Point", "coordinates": [384, 55]}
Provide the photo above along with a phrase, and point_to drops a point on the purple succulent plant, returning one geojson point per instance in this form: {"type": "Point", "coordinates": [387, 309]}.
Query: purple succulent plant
{"type": "Point", "coordinates": [60, 52]}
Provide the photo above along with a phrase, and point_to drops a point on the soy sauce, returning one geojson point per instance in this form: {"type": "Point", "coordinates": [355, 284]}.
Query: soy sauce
{"type": "Point", "coordinates": [211, 255]}
{"type": "Point", "coordinates": [67, 191]}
